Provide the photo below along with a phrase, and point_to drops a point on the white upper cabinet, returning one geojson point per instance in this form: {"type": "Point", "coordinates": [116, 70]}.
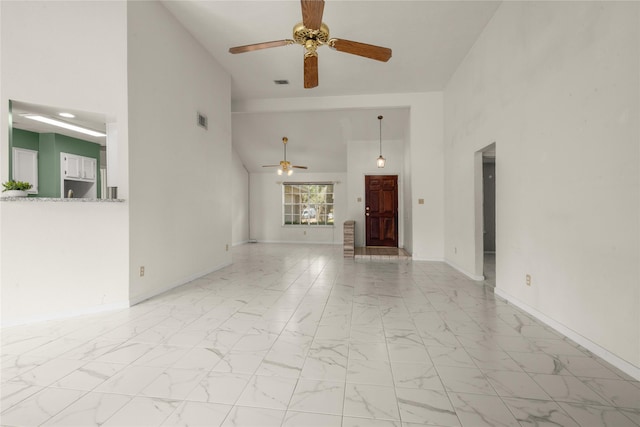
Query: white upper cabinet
{"type": "Point", "coordinates": [78, 167]}
{"type": "Point", "coordinates": [89, 168]}
{"type": "Point", "coordinates": [25, 167]}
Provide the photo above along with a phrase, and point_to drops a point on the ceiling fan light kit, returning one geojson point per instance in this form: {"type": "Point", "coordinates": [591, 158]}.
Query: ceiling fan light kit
{"type": "Point", "coordinates": [312, 33]}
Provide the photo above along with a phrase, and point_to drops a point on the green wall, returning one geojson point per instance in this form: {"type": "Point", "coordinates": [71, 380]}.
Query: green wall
{"type": "Point", "coordinates": [49, 147]}
{"type": "Point", "coordinates": [25, 139]}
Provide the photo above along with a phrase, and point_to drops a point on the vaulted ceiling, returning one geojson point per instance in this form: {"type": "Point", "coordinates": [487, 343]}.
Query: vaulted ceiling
{"type": "Point", "coordinates": [429, 39]}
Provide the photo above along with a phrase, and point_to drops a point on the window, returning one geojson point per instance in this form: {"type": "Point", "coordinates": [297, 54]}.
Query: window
{"type": "Point", "coordinates": [307, 204]}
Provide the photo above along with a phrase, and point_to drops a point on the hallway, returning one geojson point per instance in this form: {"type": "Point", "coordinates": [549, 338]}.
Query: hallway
{"type": "Point", "coordinates": [296, 335]}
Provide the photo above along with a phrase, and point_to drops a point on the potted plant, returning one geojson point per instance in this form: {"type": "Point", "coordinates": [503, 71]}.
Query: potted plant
{"type": "Point", "coordinates": [15, 188]}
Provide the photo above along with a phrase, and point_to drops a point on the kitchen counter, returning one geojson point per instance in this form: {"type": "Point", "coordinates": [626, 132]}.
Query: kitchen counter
{"type": "Point", "coordinates": [58, 199]}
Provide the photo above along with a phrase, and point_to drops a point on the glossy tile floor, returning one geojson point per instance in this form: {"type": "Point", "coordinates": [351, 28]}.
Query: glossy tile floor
{"type": "Point", "coordinates": [298, 336]}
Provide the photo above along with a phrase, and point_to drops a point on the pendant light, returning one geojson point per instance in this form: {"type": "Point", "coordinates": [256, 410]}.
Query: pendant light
{"type": "Point", "coordinates": [381, 160]}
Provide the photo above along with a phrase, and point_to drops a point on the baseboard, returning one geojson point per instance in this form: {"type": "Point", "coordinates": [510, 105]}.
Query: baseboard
{"type": "Point", "coordinates": [623, 365]}
{"type": "Point", "coordinates": [416, 257]}
{"type": "Point", "coordinates": [297, 242]}
{"type": "Point", "coordinates": [465, 272]}
{"type": "Point", "coordinates": [239, 243]}
{"type": "Point", "coordinates": [66, 314]}
{"type": "Point", "coordinates": [137, 299]}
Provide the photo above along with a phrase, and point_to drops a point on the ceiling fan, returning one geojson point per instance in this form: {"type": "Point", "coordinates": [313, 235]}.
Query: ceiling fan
{"type": "Point", "coordinates": [312, 33]}
{"type": "Point", "coordinates": [285, 166]}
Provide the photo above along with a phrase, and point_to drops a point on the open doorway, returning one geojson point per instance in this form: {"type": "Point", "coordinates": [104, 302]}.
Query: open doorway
{"type": "Point", "coordinates": [489, 217]}
{"type": "Point", "coordinates": [486, 214]}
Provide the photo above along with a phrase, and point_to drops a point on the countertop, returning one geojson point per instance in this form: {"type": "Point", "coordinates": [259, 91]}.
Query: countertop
{"type": "Point", "coordinates": [58, 199]}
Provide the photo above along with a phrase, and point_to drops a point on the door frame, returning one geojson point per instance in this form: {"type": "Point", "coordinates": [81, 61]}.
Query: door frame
{"type": "Point", "coordinates": [399, 204]}
{"type": "Point", "coordinates": [479, 210]}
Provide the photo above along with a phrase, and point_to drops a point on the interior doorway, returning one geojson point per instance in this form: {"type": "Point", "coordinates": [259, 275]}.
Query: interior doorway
{"type": "Point", "coordinates": [489, 216]}
{"type": "Point", "coordinates": [486, 214]}
{"type": "Point", "coordinates": [381, 210]}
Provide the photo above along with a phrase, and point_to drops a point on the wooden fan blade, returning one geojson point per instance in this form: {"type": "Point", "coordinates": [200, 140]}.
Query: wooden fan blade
{"type": "Point", "coordinates": [270, 166]}
{"type": "Point", "coordinates": [258, 46]}
{"type": "Point", "coordinates": [312, 13]}
{"type": "Point", "coordinates": [310, 72]}
{"type": "Point", "coordinates": [361, 49]}
{"type": "Point", "coordinates": [300, 167]}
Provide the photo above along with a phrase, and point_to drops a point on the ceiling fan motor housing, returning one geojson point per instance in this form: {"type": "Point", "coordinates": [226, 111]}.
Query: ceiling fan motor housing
{"type": "Point", "coordinates": [310, 39]}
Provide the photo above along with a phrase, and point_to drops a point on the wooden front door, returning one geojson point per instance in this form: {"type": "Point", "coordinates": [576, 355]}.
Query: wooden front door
{"type": "Point", "coordinates": [381, 210]}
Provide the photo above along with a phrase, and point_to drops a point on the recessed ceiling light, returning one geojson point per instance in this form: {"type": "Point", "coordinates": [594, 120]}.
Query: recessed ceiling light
{"type": "Point", "coordinates": [67, 115]}
{"type": "Point", "coordinates": [281, 82]}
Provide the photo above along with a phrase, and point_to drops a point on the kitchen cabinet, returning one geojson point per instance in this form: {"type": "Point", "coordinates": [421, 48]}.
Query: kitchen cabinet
{"type": "Point", "coordinates": [25, 167]}
{"type": "Point", "coordinates": [77, 167]}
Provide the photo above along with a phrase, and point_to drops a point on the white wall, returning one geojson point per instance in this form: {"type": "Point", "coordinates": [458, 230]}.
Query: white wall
{"type": "Point", "coordinates": [266, 209]}
{"type": "Point", "coordinates": [180, 173]}
{"type": "Point", "coordinates": [427, 177]}
{"type": "Point", "coordinates": [63, 258]}
{"type": "Point", "coordinates": [407, 211]}
{"type": "Point", "coordinates": [361, 161]}
{"type": "Point", "coordinates": [240, 201]}
{"type": "Point", "coordinates": [555, 85]}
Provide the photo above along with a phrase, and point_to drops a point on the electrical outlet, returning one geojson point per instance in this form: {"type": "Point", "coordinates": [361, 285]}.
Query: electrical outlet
{"type": "Point", "coordinates": [142, 271]}
{"type": "Point", "coordinates": [528, 280]}
{"type": "Point", "coordinates": [455, 250]}
{"type": "Point", "coordinates": [304, 232]}
{"type": "Point", "coordinates": [226, 247]}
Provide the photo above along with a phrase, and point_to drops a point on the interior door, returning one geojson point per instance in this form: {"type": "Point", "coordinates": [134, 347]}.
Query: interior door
{"type": "Point", "coordinates": [381, 210]}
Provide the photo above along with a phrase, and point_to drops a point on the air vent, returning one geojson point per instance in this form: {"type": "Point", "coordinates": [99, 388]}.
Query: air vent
{"type": "Point", "coordinates": [202, 121]}
{"type": "Point", "coordinates": [281, 82]}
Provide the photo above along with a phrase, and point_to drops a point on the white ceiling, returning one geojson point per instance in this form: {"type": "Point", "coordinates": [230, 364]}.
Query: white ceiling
{"type": "Point", "coordinates": [93, 121]}
{"type": "Point", "coordinates": [429, 39]}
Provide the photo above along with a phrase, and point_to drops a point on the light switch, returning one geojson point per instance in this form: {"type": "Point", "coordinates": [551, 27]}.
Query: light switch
{"type": "Point", "coordinates": [421, 201]}
{"type": "Point", "coordinates": [359, 199]}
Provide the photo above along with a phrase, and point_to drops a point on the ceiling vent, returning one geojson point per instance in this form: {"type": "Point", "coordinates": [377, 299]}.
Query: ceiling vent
{"type": "Point", "coordinates": [281, 82]}
{"type": "Point", "coordinates": [202, 121]}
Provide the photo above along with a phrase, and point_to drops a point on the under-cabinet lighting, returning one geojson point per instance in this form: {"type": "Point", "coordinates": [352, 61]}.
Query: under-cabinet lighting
{"type": "Point", "coordinates": [62, 124]}
{"type": "Point", "coordinates": [67, 115]}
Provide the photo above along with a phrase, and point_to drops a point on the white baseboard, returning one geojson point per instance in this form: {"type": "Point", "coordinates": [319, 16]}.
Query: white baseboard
{"type": "Point", "coordinates": [623, 365]}
{"type": "Point", "coordinates": [418, 257]}
{"type": "Point", "coordinates": [297, 242]}
{"type": "Point", "coordinates": [137, 299]}
{"type": "Point", "coordinates": [66, 314]}
{"type": "Point", "coordinates": [463, 271]}
{"type": "Point", "coordinates": [239, 243]}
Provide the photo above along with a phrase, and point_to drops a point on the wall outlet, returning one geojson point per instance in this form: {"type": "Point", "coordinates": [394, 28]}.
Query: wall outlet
{"type": "Point", "coordinates": [226, 247]}
{"type": "Point", "coordinates": [421, 201]}
{"type": "Point", "coordinates": [304, 232]}
{"type": "Point", "coordinates": [455, 250]}
{"type": "Point", "coordinates": [528, 280]}
{"type": "Point", "coordinates": [142, 271]}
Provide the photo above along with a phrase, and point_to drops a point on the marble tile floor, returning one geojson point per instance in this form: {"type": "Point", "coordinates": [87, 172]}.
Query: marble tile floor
{"type": "Point", "coordinates": [376, 253]}
{"type": "Point", "coordinates": [294, 335]}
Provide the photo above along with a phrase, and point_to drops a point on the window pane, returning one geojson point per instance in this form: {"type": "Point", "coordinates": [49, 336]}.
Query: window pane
{"type": "Point", "coordinates": [308, 204]}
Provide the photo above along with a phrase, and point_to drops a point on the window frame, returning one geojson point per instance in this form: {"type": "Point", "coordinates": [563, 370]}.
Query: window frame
{"type": "Point", "coordinates": [292, 211]}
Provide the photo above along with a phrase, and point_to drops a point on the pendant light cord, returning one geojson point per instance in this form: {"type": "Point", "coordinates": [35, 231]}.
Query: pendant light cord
{"type": "Point", "coordinates": [380, 120]}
